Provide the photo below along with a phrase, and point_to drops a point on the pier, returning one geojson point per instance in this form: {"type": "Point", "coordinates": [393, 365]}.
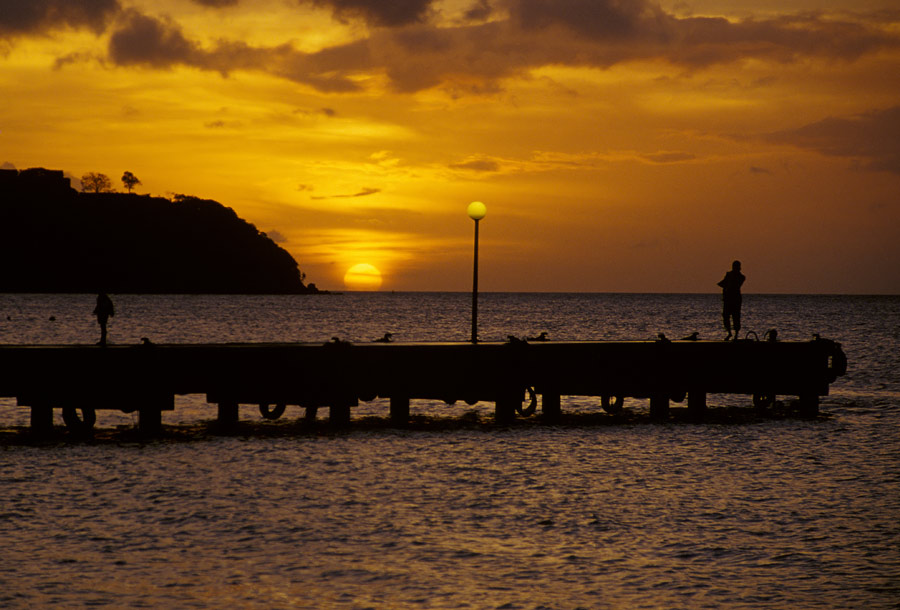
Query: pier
{"type": "Point", "coordinates": [80, 379]}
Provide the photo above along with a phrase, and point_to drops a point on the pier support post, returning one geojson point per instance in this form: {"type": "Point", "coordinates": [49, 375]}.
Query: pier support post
{"type": "Point", "coordinates": [696, 402]}
{"type": "Point", "coordinates": [149, 420]}
{"type": "Point", "coordinates": [339, 414]}
{"type": "Point", "coordinates": [41, 419]}
{"type": "Point", "coordinates": [505, 407]}
{"type": "Point", "coordinates": [399, 410]}
{"type": "Point", "coordinates": [809, 405]}
{"type": "Point", "coordinates": [228, 413]}
{"type": "Point", "coordinates": [659, 406]}
{"type": "Point", "coordinates": [551, 408]}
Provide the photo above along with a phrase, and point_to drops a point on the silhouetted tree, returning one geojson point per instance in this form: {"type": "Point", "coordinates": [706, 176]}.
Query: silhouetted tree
{"type": "Point", "coordinates": [130, 181]}
{"type": "Point", "coordinates": [96, 183]}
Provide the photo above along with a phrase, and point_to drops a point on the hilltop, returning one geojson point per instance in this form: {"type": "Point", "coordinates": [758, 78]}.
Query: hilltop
{"type": "Point", "coordinates": [55, 239]}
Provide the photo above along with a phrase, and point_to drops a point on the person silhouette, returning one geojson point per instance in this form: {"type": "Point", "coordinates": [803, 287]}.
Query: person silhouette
{"type": "Point", "coordinates": [731, 299]}
{"type": "Point", "coordinates": [103, 311]}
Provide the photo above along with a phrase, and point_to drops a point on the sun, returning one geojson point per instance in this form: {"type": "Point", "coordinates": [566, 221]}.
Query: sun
{"type": "Point", "coordinates": [362, 277]}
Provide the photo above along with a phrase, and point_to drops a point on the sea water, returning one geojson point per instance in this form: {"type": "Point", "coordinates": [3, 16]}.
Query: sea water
{"type": "Point", "coordinates": [770, 513]}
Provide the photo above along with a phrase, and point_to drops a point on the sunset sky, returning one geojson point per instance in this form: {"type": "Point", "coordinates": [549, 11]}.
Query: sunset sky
{"type": "Point", "coordinates": [619, 146]}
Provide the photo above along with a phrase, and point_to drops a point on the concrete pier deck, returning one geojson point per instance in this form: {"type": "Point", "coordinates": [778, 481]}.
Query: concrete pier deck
{"type": "Point", "coordinates": [83, 378]}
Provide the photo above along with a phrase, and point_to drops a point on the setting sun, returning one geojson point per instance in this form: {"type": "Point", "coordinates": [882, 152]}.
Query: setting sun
{"type": "Point", "coordinates": [363, 277]}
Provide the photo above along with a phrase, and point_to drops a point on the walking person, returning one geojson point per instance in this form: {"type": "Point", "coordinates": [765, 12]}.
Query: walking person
{"type": "Point", "coordinates": [103, 311]}
{"type": "Point", "coordinates": [731, 299]}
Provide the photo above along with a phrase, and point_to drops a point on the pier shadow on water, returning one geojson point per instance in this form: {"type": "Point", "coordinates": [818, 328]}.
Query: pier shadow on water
{"type": "Point", "coordinates": [472, 420]}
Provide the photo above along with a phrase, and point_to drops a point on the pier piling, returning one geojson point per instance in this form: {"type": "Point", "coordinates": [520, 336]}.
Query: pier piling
{"type": "Point", "coordinates": [696, 402]}
{"type": "Point", "coordinates": [659, 406]}
{"type": "Point", "coordinates": [399, 410]}
{"type": "Point", "coordinates": [551, 406]}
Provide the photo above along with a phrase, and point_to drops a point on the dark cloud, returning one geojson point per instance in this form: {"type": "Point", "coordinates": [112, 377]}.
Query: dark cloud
{"type": "Point", "coordinates": [760, 170]}
{"type": "Point", "coordinates": [378, 12]}
{"type": "Point", "coordinates": [144, 40]}
{"type": "Point", "coordinates": [872, 138]}
{"type": "Point", "coordinates": [477, 165]}
{"type": "Point", "coordinates": [276, 236]}
{"type": "Point", "coordinates": [669, 157]}
{"type": "Point", "coordinates": [475, 57]}
{"type": "Point", "coordinates": [19, 17]}
{"type": "Point", "coordinates": [217, 3]}
{"type": "Point", "coordinates": [603, 33]}
{"type": "Point", "coordinates": [592, 18]}
{"type": "Point", "coordinates": [141, 40]}
{"type": "Point", "coordinates": [479, 11]}
{"type": "Point", "coordinates": [363, 193]}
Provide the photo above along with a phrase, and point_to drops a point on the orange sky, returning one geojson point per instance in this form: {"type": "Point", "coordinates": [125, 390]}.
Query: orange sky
{"type": "Point", "coordinates": [618, 145]}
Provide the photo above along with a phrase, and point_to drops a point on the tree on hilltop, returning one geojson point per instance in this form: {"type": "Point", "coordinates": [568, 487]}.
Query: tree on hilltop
{"type": "Point", "coordinates": [130, 181]}
{"type": "Point", "coordinates": [93, 182]}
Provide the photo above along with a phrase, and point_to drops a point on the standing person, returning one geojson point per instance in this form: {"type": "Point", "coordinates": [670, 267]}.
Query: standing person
{"type": "Point", "coordinates": [731, 299]}
{"type": "Point", "coordinates": [103, 311]}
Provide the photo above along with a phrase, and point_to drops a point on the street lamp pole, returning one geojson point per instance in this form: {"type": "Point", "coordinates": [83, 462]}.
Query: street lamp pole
{"type": "Point", "coordinates": [476, 212]}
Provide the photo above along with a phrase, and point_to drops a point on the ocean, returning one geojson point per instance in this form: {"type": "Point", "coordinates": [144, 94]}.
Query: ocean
{"type": "Point", "coordinates": [459, 512]}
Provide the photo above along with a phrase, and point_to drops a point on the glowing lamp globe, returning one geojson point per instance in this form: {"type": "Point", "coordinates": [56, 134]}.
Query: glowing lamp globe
{"type": "Point", "coordinates": [476, 210]}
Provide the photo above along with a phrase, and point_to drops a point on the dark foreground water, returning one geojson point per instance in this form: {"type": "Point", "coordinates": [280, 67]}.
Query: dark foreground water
{"type": "Point", "coordinates": [770, 513]}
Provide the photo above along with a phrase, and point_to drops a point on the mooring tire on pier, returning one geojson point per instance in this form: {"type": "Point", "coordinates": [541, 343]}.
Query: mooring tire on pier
{"type": "Point", "coordinates": [79, 424]}
{"type": "Point", "coordinates": [532, 405]}
{"type": "Point", "coordinates": [274, 413]}
{"type": "Point", "coordinates": [611, 405]}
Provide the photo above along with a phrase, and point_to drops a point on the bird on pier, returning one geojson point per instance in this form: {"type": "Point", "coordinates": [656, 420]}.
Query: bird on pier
{"type": "Point", "coordinates": [661, 337]}
{"type": "Point", "coordinates": [146, 341]}
{"type": "Point", "coordinates": [385, 339]}
{"type": "Point", "coordinates": [540, 337]}
{"type": "Point", "coordinates": [691, 337]}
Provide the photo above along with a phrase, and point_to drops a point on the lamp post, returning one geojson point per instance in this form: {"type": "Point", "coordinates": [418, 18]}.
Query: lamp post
{"type": "Point", "coordinates": [476, 212]}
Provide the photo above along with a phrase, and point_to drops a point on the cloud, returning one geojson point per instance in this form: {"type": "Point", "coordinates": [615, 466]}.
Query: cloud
{"type": "Point", "coordinates": [19, 17]}
{"type": "Point", "coordinates": [591, 18]}
{"type": "Point", "coordinates": [217, 3]}
{"type": "Point", "coordinates": [475, 57]}
{"type": "Point", "coordinates": [669, 157]}
{"type": "Point", "coordinates": [141, 40]}
{"type": "Point", "coordinates": [378, 12]}
{"type": "Point", "coordinates": [871, 138]}
{"type": "Point", "coordinates": [363, 193]}
{"type": "Point", "coordinates": [598, 33]}
{"type": "Point", "coordinates": [479, 11]}
{"type": "Point", "coordinates": [477, 165]}
{"type": "Point", "coordinates": [276, 236]}
{"type": "Point", "coordinates": [144, 40]}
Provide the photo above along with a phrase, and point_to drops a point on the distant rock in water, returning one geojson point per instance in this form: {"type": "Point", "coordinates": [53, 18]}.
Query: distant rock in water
{"type": "Point", "coordinates": [54, 239]}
